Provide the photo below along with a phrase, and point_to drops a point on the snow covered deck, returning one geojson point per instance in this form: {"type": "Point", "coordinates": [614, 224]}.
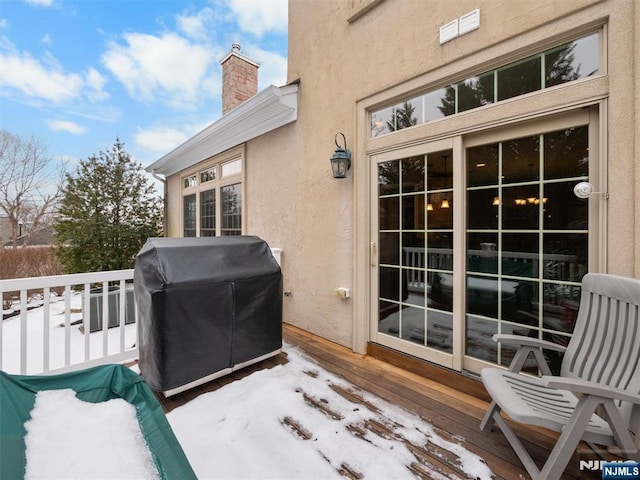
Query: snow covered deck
{"type": "Point", "coordinates": [366, 385]}
{"type": "Point", "coordinates": [340, 395]}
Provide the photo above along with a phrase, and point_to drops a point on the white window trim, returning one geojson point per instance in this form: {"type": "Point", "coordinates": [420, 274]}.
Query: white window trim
{"type": "Point", "coordinates": [237, 153]}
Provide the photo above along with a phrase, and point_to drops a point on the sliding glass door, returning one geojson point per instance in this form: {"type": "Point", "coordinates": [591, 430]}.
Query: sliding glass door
{"type": "Point", "coordinates": [482, 234]}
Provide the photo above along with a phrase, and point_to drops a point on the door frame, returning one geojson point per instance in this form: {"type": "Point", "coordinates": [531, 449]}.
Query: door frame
{"type": "Point", "coordinates": [365, 188]}
{"type": "Point", "coordinates": [449, 360]}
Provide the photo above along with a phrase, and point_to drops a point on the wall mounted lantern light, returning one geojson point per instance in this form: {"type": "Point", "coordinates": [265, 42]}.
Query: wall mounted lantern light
{"type": "Point", "coordinates": [341, 158]}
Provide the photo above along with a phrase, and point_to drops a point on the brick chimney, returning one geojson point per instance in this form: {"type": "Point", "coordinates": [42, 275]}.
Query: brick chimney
{"type": "Point", "coordinates": [239, 78]}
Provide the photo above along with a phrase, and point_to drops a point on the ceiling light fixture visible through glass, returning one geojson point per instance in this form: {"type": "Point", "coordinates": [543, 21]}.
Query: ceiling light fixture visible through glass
{"type": "Point", "coordinates": [444, 204]}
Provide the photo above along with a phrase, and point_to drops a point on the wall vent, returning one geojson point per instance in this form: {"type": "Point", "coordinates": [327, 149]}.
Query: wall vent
{"type": "Point", "coordinates": [449, 31]}
{"type": "Point", "coordinates": [469, 21]}
{"type": "Point", "coordinates": [465, 24]}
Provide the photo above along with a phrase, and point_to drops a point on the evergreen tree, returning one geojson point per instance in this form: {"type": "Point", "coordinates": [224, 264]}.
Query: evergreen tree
{"type": "Point", "coordinates": [108, 210]}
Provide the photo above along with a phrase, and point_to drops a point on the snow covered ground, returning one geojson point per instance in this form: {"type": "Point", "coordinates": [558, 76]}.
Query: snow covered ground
{"type": "Point", "coordinates": [265, 427]}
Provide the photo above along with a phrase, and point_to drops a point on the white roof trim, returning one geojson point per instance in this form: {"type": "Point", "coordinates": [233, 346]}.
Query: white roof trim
{"type": "Point", "coordinates": [239, 55]}
{"type": "Point", "coordinates": [272, 108]}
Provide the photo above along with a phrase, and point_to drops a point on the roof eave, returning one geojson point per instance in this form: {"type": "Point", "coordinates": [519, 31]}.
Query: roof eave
{"type": "Point", "coordinates": [270, 109]}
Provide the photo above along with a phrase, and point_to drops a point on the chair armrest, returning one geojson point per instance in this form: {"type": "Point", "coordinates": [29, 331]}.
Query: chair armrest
{"type": "Point", "coordinates": [522, 341]}
{"type": "Point", "coordinates": [577, 385]}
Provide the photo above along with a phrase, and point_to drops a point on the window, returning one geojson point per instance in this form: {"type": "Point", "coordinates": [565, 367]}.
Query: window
{"type": "Point", "coordinates": [231, 210]}
{"type": "Point", "coordinates": [415, 238]}
{"type": "Point", "coordinates": [212, 200]}
{"type": "Point", "coordinates": [562, 64]}
{"type": "Point", "coordinates": [208, 175]}
{"type": "Point", "coordinates": [527, 239]}
{"type": "Point", "coordinates": [189, 215]}
{"type": "Point", "coordinates": [231, 168]}
{"type": "Point", "coordinates": [208, 213]}
{"type": "Point", "coordinates": [189, 181]}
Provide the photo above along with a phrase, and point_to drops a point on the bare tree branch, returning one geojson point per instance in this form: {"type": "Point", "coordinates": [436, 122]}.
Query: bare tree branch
{"type": "Point", "coordinates": [31, 182]}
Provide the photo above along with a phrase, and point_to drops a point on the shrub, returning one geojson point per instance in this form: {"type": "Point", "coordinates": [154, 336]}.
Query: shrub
{"type": "Point", "coordinates": [27, 262]}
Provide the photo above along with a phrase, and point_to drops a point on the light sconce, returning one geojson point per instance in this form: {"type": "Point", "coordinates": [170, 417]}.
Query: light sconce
{"type": "Point", "coordinates": [341, 158]}
{"type": "Point", "coordinates": [445, 204]}
{"type": "Point", "coordinates": [585, 190]}
{"type": "Point", "coordinates": [430, 207]}
{"type": "Point", "coordinates": [496, 201]}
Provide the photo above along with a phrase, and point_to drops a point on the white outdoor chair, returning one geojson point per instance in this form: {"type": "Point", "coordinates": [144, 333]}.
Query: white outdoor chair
{"type": "Point", "coordinates": [601, 367]}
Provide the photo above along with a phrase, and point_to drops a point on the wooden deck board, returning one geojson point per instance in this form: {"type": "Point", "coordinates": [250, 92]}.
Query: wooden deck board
{"type": "Point", "coordinates": [454, 413]}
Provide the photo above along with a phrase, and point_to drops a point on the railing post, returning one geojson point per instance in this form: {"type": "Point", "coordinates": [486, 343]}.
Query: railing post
{"type": "Point", "coordinates": [67, 325]}
{"type": "Point", "coordinates": [105, 318]}
{"type": "Point", "coordinates": [46, 294]}
{"type": "Point", "coordinates": [23, 332]}
{"type": "Point", "coordinates": [86, 320]}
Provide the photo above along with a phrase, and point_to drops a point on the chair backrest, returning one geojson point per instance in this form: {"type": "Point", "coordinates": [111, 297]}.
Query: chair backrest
{"type": "Point", "coordinates": [605, 345]}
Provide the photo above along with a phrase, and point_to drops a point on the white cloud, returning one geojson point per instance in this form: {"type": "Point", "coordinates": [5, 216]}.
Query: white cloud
{"type": "Point", "coordinates": [40, 3]}
{"type": "Point", "coordinates": [261, 16]}
{"type": "Point", "coordinates": [66, 126]}
{"type": "Point", "coordinates": [159, 139]}
{"type": "Point", "coordinates": [46, 39]}
{"type": "Point", "coordinates": [95, 83]}
{"type": "Point", "coordinates": [167, 68]}
{"type": "Point", "coordinates": [273, 67]}
{"type": "Point", "coordinates": [46, 80]}
{"type": "Point", "coordinates": [196, 26]}
{"type": "Point", "coordinates": [3, 23]}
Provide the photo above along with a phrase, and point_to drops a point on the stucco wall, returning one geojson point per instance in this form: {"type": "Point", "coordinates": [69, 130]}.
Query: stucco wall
{"type": "Point", "coordinates": [173, 206]}
{"type": "Point", "coordinates": [294, 203]}
{"type": "Point", "coordinates": [394, 49]}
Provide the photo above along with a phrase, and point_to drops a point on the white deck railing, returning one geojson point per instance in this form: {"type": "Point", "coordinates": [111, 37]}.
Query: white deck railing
{"type": "Point", "coordinates": [32, 341]}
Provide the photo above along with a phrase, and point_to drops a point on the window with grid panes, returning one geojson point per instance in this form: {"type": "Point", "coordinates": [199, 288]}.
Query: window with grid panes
{"type": "Point", "coordinates": [212, 200]}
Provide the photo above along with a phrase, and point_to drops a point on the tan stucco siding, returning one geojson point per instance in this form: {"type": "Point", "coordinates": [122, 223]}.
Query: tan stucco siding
{"type": "Point", "coordinates": [173, 206]}
{"type": "Point", "coordinates": [394, 50]}
{"type": "Point", "coordinates": [295, 204]}
{"type": "Point", "coordinates": [388, 53]}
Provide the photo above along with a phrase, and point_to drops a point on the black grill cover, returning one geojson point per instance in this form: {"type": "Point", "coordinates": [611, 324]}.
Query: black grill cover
{"type": "Point", "coordinates": [205, 305]}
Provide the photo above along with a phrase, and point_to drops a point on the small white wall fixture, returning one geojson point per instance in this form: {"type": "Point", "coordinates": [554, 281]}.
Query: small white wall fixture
{"type": "Point", "coordinates": [460, 26]}
{"type": "Point", "coordinates": [469, 22]}
{"type": "Point", "coordinates": [449, 31]}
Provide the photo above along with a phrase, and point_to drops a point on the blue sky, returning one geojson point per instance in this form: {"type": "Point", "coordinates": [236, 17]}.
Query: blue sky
{"type": "Point", "coordinates": [79, 73]}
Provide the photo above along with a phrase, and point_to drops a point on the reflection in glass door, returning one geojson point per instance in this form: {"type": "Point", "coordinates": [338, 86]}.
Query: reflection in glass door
{"type": "Point", "coordinates": [526, 239]}
{"type": "Point", "coordinates": [415, 251]}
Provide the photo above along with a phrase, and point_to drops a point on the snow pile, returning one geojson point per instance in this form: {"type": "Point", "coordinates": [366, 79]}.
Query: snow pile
{"type": "Point", "coordinates": [72, 439]}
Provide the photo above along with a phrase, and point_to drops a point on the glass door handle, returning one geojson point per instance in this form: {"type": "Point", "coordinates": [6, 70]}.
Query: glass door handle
{"type": "Point", "coordinates": [373, 252]}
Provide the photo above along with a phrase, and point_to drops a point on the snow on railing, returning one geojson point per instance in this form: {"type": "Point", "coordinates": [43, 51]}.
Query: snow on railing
{"type": "Point", "coordinates": [33, 340]}
{"type": "Point", "coordinates": [69, 322]}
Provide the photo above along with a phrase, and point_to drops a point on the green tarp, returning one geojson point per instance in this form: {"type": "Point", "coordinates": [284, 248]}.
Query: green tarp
{"type": "Point", "coordinates": [98, 384]}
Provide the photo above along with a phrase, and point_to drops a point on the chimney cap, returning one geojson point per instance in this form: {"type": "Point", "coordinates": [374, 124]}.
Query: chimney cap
{"type": "Point", "coordinates": [235, 51]}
